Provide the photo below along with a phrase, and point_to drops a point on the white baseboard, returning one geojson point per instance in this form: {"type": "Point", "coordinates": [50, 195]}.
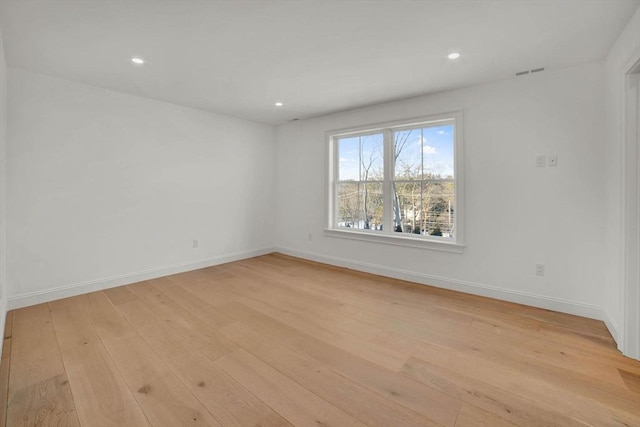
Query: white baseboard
{"type": "Point", "coordinates": [541, 301]}
{"type": "Point", "coordinates": [39, 297]}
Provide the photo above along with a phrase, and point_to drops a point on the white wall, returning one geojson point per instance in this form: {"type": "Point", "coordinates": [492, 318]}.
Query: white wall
{"type": "Point", "coordinates": [553, 216]}
{"type": "Point", "coordinates": [106, 188]}
{"type": "Point", "coordinates": [625, 49]}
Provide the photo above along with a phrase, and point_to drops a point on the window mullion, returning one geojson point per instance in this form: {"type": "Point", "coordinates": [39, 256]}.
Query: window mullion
{"type": "Point", "coordinates": [387, 192]}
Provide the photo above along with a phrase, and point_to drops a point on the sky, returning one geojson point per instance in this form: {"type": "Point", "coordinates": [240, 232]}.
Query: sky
{"type": "Point", "coordinates": [429, 149]}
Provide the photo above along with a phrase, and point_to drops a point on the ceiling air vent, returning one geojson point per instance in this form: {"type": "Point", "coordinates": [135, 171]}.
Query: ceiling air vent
{"type": "Point", "coordinates": [535, 70]}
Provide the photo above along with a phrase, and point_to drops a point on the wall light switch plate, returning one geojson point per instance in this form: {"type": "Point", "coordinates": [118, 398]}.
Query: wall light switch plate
{"type": "Point", "coordinates": [553, 161]}
{"type": "Point", "coordinates": [540, 161]}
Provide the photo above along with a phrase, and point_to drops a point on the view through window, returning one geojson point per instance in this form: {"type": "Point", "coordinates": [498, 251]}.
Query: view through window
{"type": "Point", "coordinates": [400, 179]}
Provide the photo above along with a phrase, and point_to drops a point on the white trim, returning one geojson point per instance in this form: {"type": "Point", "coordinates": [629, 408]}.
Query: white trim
{"type": "Point", "coordinates": [39, 297]}
{"type": "Point", "coordinates": [534, 300]}
{"type": "Point", "coordinates": [458, 169]}
{"type": "Point", "coordinates": [401, 239]}
{"type": "Point", "coordinates": [387, 185]}
{"type": "Point", "coordinates": [629, 342]}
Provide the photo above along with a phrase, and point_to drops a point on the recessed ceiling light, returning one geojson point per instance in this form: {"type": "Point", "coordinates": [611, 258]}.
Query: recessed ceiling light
{"type": "Point", "coordinates": [137, 60]}
{"type": "Point", "coordinates": [278, 104]}
{"type": "Point", "coordinates": [453, 55]}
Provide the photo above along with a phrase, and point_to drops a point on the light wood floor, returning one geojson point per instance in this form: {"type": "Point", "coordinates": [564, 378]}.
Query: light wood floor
{"type": "Point", "coordinates": [277, 341]}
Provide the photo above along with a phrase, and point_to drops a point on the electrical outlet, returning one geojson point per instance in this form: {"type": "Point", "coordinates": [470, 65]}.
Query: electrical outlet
{"type": "Point", "coordinates": [553, 161]}
{"type": "Point", "coordinates": [540, 161]}
{"type": "Point", "coordinates": [540, 269]}
{"type": "Point", "coordinates": [195, 244]}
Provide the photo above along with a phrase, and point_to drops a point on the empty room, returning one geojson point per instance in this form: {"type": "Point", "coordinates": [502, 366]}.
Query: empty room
{"type": "Point", "coordinates": [320, 213]}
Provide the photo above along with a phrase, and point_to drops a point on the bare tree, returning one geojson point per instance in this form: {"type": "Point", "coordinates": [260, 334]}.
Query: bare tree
{"type": "Point", "coordinates": [399, 145]}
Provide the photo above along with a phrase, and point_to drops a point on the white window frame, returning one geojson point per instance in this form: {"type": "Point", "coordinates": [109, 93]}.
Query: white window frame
{"type": "Point", "coordinates": [390, 237]}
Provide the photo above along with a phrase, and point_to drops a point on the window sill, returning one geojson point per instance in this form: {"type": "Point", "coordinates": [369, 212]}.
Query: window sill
{"type": "Point", "coordinates": [398, 240]}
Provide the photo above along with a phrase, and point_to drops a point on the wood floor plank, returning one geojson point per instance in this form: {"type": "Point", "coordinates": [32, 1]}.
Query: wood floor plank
{"type": "Point", "coordinates": [120, 295]}
{"type": "Point", "coordinates": [344, 393]}
{"type": "Point", "coordinates": [229, 402]}
{"type": "Point", "coordinates": [480, 342]}
{"type": "Point", "coordinates": [214, 295]}
{"type": "Point", "coordinates": [631, 380]}
{"type": "Point", "coordinates": [364, 348]}
{"type": "Point", "coordinates": [497, 401]}
{"type": "Point", "coordinates": [579, 386]}
{"type": "Point", "coordinates": [215, 275]}
{"type": "Point", "coordinates": [582, 409]}
{"type": "Point", "coordinates": [100, 393]}
{"type": "Point", "coordinates": [472, 416]}
{"type": "Point", "coordinates": [72, 324]}
{"type": "Point", "coordinates": [104, 317]}
{"type": "Point", "coordinates": [48, 404]}
{"type": "Point", "coordinates": [196, 306]}
{"type": "Point", "coordinates": [512, 324]}
{"type": "Point", "coordinates": [574, 323]}
{"type": "Point", "coordinates": [311, 307]}
{"type": "Point", "coordinates": [163, 398]}
{"type": "Point", "coordinates": [525, 355]}
{"type": "Point", "coordinates": [426, 400]}
{"type": "Point", "coordinates": [591, 346]}
{"type": "Point", "coordinates": [200, 335]}
{"type": "Point", "coordinates": [294, 402]}
{"type": "Point", "coordinates": [35, 356]}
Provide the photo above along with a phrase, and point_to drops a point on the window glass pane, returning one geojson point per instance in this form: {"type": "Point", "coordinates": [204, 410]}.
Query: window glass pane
{"type": "Point", "coordinates": [408, 154]}
{"type": "Point", "coordinates": [438, 206]}
{"type": "Point", "coordinates": [360, 205]}
{"type": "Point", "coordinates": [349, 159]}
{"type": "Point", "coordinates": [348, 204]}
{"type": "Point", "coordinates": [372, 205]}
{"type": "Point", "coordinates": [371, 157]}
{"type": "Point", "coordinates": [437, 146]}
{"type": "Point", "coordinates": [407, 207]}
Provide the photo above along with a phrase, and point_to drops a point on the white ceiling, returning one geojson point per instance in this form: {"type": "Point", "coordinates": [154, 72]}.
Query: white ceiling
{"type": "Point", "coordinates": [239, 57]}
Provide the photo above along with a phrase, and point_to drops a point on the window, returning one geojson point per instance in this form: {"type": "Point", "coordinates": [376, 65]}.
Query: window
{"type": "Point", "coordinates": [398, 183]}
